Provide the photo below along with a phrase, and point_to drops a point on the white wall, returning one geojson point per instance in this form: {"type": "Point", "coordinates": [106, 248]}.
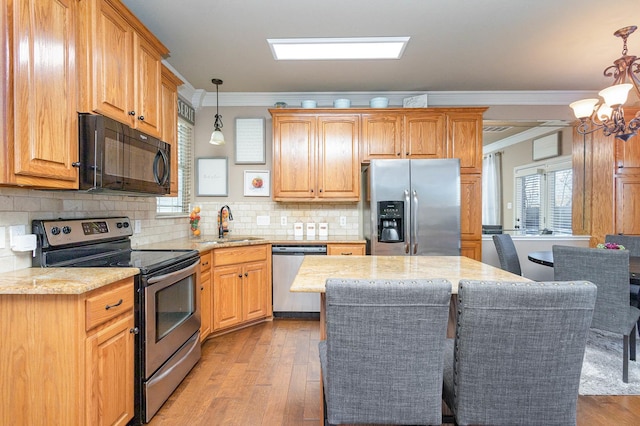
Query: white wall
{"type": "Point", "coordinates": [527, 244]}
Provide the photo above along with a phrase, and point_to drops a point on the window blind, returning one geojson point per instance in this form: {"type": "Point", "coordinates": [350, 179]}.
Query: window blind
{"type": "Point", "coordinates": [180, 204]}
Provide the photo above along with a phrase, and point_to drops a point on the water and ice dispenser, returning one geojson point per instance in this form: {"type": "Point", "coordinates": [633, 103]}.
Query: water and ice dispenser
{"type": "Point", "coordinates": [390, 221]}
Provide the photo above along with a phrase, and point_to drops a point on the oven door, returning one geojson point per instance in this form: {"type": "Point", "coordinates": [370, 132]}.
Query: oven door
{"type": "Point", "coordinates": [172, 314]}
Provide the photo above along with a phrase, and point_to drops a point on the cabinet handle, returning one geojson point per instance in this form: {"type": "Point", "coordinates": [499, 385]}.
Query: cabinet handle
{"type": "Point", "coordinates": [398, 154]}
{"type": "Point", "coordinates": [406, 153]}
{"type": "Point", "coordinates": [621, 166]}
{"type": "Point", "coordinates": [141, 118]}
{"type": "Point", "coordinates": [240, 276]}
{"type": "Point", "coordinates": [75, 164]}
{"type": "Point", "coordinates": [205, 263]}
{"type": "Point", "coordinates": [312, 190]}
{"type": "Point", "coordinates": [202, 288]}
{"type": "Point", "coordinates": [246, 274]}
{"type": "Point", "coordinates": [347, 254]}
{"type": "Point", "coordinates": [132, 113]}
{"type": "Point", "coordinates": [134, 330]}
{"type": "Point", "coordinates": [113, 306]}
{"type": "Point", "coordinates": [320, 190]}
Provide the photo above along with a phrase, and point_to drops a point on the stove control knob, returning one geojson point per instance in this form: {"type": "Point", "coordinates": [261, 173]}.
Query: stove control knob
{"type": "Point", "coordinates": [119, 225]}
{"type": "Point", "coordinates": [125, 224]}
{"type": "Point", "coordinates": [66, 230]}
{"type": "Point", "coordinates": [55, 230]}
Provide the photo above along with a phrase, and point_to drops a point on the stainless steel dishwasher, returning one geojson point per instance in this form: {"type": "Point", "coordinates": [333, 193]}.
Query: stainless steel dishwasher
{"type": "Point", "coordinates": [286, 262]}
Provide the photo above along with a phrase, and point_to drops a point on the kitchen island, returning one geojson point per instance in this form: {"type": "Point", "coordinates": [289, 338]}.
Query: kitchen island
{"type": "Point", "coordinates": [315, 270]}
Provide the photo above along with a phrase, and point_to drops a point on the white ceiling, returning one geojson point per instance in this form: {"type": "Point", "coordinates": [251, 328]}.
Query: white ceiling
{"type": "Point", "coordinates": [456, 45]}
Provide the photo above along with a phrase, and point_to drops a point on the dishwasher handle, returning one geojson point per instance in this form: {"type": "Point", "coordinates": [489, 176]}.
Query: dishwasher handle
{"type": "Point", "coordinates": [299, 249]}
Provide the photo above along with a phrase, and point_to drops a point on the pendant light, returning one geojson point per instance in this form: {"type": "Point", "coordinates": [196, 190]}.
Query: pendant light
{"type": "Point", "coordinates": [217, 138]}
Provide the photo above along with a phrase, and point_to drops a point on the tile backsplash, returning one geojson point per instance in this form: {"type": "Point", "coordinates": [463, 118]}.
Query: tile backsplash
{"type": "Point", "coordinates": [20, 206]}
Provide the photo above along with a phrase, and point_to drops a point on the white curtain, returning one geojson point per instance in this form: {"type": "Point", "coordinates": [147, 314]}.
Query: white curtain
{"type": "Point", "coordinates": [492, 189]}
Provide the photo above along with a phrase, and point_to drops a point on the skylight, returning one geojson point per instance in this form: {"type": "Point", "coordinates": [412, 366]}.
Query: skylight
{"type": "Point", "coordinates": [311, 49]}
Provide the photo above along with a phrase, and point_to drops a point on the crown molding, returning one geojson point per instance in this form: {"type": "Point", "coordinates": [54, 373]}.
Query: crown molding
{"type": "Point", "coordinates": [201, 98]}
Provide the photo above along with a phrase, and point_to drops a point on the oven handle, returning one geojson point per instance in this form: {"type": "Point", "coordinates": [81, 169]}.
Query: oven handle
{"type": "Point", "coordinates": [180, 273]}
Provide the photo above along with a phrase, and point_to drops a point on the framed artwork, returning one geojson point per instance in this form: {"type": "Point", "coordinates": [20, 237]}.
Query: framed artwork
{"type": "Point", "coordinates": [256, 183]}
{"type": "Point", "coordinates": [212, 177]}
{"type": "Point", "coordinates": [250, 143]}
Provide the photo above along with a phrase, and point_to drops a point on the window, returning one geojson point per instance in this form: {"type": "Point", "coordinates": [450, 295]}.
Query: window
{"type": "Point", "coordinates": [543, 196]}
{"type": "Point", "coordinates": [180, 204]}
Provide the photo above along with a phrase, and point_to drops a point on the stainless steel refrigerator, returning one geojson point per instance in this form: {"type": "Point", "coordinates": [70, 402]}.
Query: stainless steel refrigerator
{"type": "Point", "coordinates": [412, 207]}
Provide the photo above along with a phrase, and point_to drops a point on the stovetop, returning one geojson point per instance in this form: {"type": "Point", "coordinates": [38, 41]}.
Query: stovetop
{"type": "Point", "coordinates": [148, 261]}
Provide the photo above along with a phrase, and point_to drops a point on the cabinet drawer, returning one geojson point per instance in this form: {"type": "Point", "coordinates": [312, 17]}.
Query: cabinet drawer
{"type": "Point", "coordinates": [345, 249]}
{"type": "Point", "coordinates": [205, 261]}
{"type": "Point", "coordinates": [234, 255]}
{"type": "Point", "coordinates": [103, 305]}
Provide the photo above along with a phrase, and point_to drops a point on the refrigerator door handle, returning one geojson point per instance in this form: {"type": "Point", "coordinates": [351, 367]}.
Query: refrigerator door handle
{"type": "Point", "coordinates": [414, 220]}
{"type": "Point", "coordinates": [407, 239]}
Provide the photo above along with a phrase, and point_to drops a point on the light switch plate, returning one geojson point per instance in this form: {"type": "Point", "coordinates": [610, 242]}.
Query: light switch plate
{"type": "Point", "coordinates": [137, 226]}
{"type": "Point", "coordinates": [283, 220]}
{"type": "Point", "coordinates": [343, 221]}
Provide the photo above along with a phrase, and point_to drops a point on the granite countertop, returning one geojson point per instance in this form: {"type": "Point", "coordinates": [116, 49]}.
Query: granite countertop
{"type": "Point", "coordinates": [206, 243]}
{"type": "Point", "coordinates": [61, 280]}
{"type": "Point", "coordinates": [315, 270]}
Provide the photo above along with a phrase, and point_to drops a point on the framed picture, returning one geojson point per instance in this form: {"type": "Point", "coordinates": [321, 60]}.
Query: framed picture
{"type": "Point", "coordinates": [256, 183]}
{"type": "Point", "coordinates": [249, 143]}
{"type": "Point", "coordinates": [212, 177]}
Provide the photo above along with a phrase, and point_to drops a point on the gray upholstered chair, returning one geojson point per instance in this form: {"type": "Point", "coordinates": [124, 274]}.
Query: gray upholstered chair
{"type": "Point", "coordinates": [517, 355]}
{"type": "Point", "coordinates": [507, 253]}
{"type": "Point", "coordinates": [382, 359]}
{"type": "Point", "coordinates": [631, 243]}
{"type": "Point", "coordinates": [609, 270]}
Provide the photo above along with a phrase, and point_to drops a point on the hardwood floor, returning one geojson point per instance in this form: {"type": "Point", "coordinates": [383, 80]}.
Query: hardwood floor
{"type": "Point", "coordinates": [269, 374]}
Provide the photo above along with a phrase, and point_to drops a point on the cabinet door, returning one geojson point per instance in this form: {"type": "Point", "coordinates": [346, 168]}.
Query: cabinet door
{"type": "Point", "coordinates": [471, 208]}
{"type": "Point", "coordinates": [147, 73]}
{"type": "Point", "coordinates": [338, 158]}
{"type": "Point", "coordinates": [471, 249]}
{"type": "Point", "coordinates": [227, 296]}
{"type": "Point", "coordinates": [43, 95]}
{"type": "Point", "coordinates": [206, 316]}
{"type": "Point", "coordinates": [381, 136]}
{"type": "Point", "coordinates": [255, 288]}
{"type": "Point", "coordinates": [112, 58]}
{"type": "Point", "coordinates": [424, 135]}
{"type": "Point", "coordinates": [294, 157]}
{"type": "Point", "coordinates": [627, 205]}
{"type": "Point", "coordinates": [464, 134]}
{"type": "Point", "coordinates": [110, 361]}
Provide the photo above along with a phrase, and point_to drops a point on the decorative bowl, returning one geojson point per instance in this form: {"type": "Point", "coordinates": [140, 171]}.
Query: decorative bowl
{"type": "Point", "coordinates": [309, 104]}
{"type": "Point", "coordinates": [342, 103]}
{"type": "Point", "coordinates": [379, 102]}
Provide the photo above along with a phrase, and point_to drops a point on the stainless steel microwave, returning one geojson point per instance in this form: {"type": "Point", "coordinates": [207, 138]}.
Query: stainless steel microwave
{"type": "Point", "coordinates": [115, 157]}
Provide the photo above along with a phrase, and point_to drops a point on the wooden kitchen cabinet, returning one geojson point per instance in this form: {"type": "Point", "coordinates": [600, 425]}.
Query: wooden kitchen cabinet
{"type": "Point", "coordinates": [120, 63]}
{"type": "Point", "coordinates": [38, 116]}
{"type": "Point", "coordinates": [627, 204]}
{"type": "Point", "coordinates": [241, 286]}
{"type": "Point", "coordinates": [464, 138]}
{"type": "Point", "coordinates": [69, 359]}
{"type": "Point", "coordinates": [343, 249]}
{"type": "Point", "coordinates": [471, 215]}
{"type": "Point", "coordinates": [382, 136]}
{"type": "Point", "coordinates": [206, 296]}
{"type": "Point", "coordinates": [315, 157]}
{"type": "Point", "coordinates": [169, 122]}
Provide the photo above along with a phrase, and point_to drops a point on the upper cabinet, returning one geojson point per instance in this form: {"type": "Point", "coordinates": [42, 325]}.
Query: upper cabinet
{"type": "Point", "coordinates": [120, 66]}
{"type": "Point", "coordinates": [315, 157]}
{"type": "Point", "coordinates": [464, 138]}
{"type": "Point", "coordinates": [38, 108]}
{"type": "Point", "coordinates": [424, 134]}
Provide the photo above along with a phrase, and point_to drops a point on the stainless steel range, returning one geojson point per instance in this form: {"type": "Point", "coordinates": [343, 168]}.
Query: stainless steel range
{"type": "Point", "coordinates": [167, 299]}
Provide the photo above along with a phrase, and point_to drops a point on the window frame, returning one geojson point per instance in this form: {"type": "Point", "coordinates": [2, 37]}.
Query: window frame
{"type": "Point", "coordinates": [180, 205]}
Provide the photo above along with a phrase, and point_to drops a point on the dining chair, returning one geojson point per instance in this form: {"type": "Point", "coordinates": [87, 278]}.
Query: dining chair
{"type": "Point", "coordinates": [631, 243]}
{"type": "Point", "coordinates": [517, 354]}
{"type": "Point", "coordinates": [609, 270]}
{"type": "Point", "coordinates": [382, 358]}
{"type": "Point", "coordinates": [507, 253]}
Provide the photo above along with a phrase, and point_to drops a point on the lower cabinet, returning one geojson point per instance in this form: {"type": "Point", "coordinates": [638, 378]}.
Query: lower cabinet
{"type": "Point", "coordinates": [69, 358]}
{"type": "Point", "coordinates": [241, 285]}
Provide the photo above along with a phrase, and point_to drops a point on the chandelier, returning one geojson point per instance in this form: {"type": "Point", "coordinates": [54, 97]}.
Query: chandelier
{"type": "Point", "coordinates": [609, 115]}
{"type": "Point", "coordinates": [217, 138]}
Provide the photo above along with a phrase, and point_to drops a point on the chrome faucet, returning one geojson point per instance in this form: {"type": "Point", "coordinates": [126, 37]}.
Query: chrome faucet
{"type": "Point", "coordinates": [220, 227]}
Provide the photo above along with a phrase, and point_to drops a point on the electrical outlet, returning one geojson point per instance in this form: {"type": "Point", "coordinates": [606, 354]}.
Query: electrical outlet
{"type": "Point", "coordinates": [343, 221]}
{"type": "Point", "coordinates": [14, 231]}
{"type": "Point", "coordinates": [283, 220]}
{"type": "Point", "coordinates": [137, 226]}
